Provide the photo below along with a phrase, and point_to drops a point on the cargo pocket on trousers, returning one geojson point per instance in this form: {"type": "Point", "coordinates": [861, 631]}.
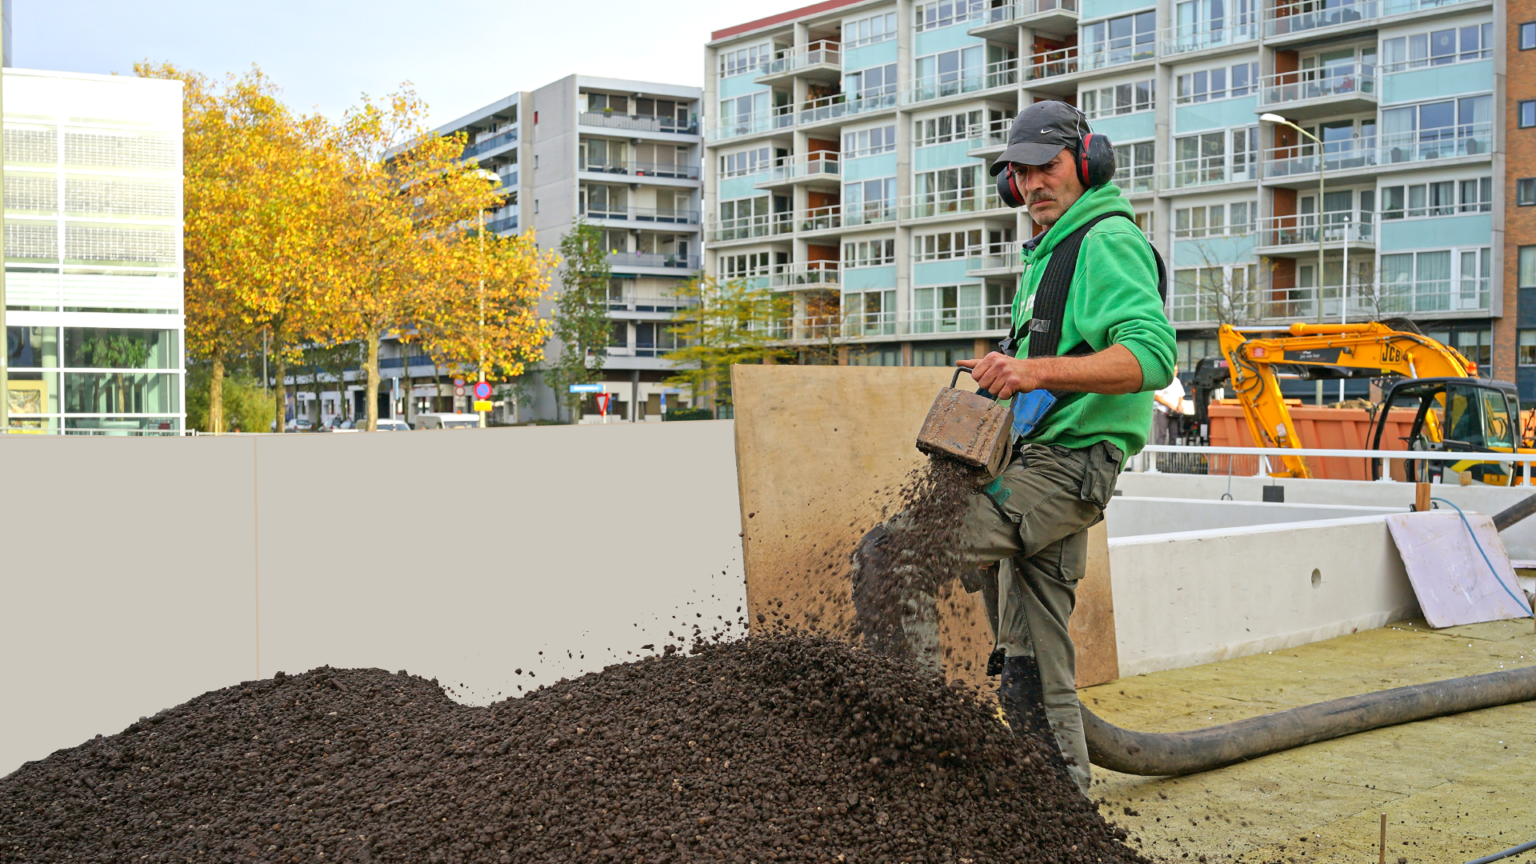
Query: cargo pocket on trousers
{"type": "Point", "coordinates": [1101, 473]}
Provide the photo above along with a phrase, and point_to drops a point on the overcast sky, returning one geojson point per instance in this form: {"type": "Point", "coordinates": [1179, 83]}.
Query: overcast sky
{"type": "Point", "coordinates": [460, 54]}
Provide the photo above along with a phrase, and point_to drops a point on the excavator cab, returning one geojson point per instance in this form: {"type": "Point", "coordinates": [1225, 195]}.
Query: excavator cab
{"type": "Point", "coordinates": [1469, 415]}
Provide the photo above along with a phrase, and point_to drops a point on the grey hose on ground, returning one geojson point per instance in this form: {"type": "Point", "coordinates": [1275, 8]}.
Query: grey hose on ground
{"type": "Point", "coordinates": [1173, 753]}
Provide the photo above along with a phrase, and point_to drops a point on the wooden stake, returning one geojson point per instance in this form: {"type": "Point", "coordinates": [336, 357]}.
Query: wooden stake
{"type": "Point", "coordinates": [1421, 497]}
{"type": "Point", "coordinates": [1384, 816]}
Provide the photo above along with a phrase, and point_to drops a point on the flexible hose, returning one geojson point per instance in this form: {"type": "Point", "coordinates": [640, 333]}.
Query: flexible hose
{"type": "Point", "coordinates": [1499, 856]}
{"type": "Point", "coordinates": [1172, 753]}
{"type": "Point", "coordinates": [1475, 542]}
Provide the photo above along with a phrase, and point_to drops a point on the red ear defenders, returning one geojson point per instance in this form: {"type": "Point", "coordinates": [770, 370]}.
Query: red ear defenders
{"type": "Point", "coordinates": [1095, 158]}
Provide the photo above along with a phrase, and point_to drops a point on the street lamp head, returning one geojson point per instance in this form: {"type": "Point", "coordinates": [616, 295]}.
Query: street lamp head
{"type": "Point", "coordinates": [1273, 118]}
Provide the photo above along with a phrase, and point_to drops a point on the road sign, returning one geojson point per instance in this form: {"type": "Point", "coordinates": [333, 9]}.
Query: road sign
{"type": "Point", "coordinates": [586, 388]}
{"type": "Point", "coordinates": [458, 391]}
{"type": "Point", "coordinates": [602, 403]}
{"type": "Point", "coordinates": [482, 390]}
{"type": "Point", "coordinates": [458, 382]}
{"type": "Point", "coordinates": [483, 405]}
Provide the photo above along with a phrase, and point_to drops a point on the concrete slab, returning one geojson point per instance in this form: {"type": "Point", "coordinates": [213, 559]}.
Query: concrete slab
{"type": "Point", "coordinates": [1453, 788]}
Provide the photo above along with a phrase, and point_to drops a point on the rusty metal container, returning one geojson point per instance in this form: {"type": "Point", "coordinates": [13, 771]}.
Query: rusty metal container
{"type": "Point", "coordinates": [968, 427]}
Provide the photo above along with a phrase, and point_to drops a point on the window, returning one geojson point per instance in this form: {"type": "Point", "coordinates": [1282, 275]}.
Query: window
{"type": "Point", "coordinates": [929, 16]}
{"type": "Point", "coordinates": [743, 60]}
{"type": "Point", "coordinates": [948, 190]}
{"type": "Point", "coordinates": [869, 30]}
{"type": "Point", "coordinates": [746, 265]}
{"type": "Point", "coordinates": [1120, 40]}
{"type": "Point", "coordinates": [1448, 280]}
{"type": "Point", "coordinates": [869, 201]}
{"type": "Point", "coordinates": [743, 111]}
{"type": "Point", "coordinates": [871, 313]}
{"type": "Point", "coordinates": [1527, 268]}
{"type": "Point", "coordinates": [950, 127]}
{"type": "Point", "coordinates": [1525, 347]}
{"type": "Point", "coordinates": [1528, 36]}
{"type": "Point", "coordinates": [869, 253]}
{"type": "Point", "coordinates": [1452, 127]}
{"type": "Point", "coordinates": [1441, 198]}
{"type": "Point", "coordinates": [1525, 191]}
{"type": "Point", "coordinates": [1204, 158]}
{"type": "Point", "coordinates": [1223, 82]}
{"type": "Point", "coordinates": [1205, 23]}
{"type": "Point", "coordinates": [941, 353]}
{"type": "Point", "coordinates": [1135, 168]}
{"type": "Point", "coordinates": [868, 142]}
{"type": "Point", "coordinates": [1215, 220]}
{"type": "Point", "coordinates": [947, 309]}
{"type": "Point", "coordinates": [1118, 99]}
{"type": "Point", "coordinates": [871, 83]}
{"type": "Point", "coordinates": [1437, 48]}
{"type": "Point", "coordinates": [1223, 292]}
{"type": "Point", "coordinates": [947, 245]}
{"type": "Point", "coordinates": [743, 217]}
{"type": "Point", "coordinates": [1477, 196]}
{"type": "Point", "coordinates": [946, 74]}
{"type": "Point", "coordinates": [1527, 113]}
{"type": "Point", "coordinates": [746, 162]}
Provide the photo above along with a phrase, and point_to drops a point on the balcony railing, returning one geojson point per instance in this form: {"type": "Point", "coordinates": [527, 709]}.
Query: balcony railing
{"type": "Point", "coordinates": [845, 105]}
{"type": "Point", "coordinates": [748, 227]}
{"type": "Point", "coordinates": [1022, 9]}
{"type": "Point", "coordinates": [1004, 73]}
{"type": "Point", "coordinates": [505, 223]}
{"type": "Point", "coordinates": [1003, 257]}
{"type": "Point", "coordinates": [977, 320]}
{"type": "Point", "coordinates": [1307, 15]}
{"type": "Point", "coordinates": [490, 143]}
{"type": "Point", "coordinates": [1300, 231]}
{"type": "Point", "coordinates": [639, 123]}
{"type": "Point", "coordinates": [1210, 170]}
{"type": "Point", "coordinates": [1135, 179]}
{"type": "Point", "coordinates": [1365, 302]}
{"type": "Point", "coordinates": [1118, 51]}
{"type": "Point", "coordinates": [791, 59]}
{"type": "Point", "coordinates": [667, 215]}
{"type": "Point", "coordinates": [809, 274]}
{"type": "Point", "coordinates": [508, 179]}
{"type": "Point", "coordinates": [850, 216]}
{"type": "Point", "coordinates": [1444, 142]}
{"type": "Point", "coordinates": [642, 169]}
{"type": "Point", "coordinates": [1337, 156]}
{"type": "Point", "coordinates": [948, 202]}
{"type": "Point", "coordinates": [782, 117]}
{"type": "Point", "coordinates": [670, 260]}
{"type": "Point", "coordinates": [1051, 64]}
{"type": "Point", "coordinates": [817, 164]}
{"type": "Point", "coordinates": [993, 134]}
{"type": "Point", "coordinates": [631, 303]}
{"type": "Point", "coordinates": [1355, 78]}
{"type": "Point", "coordinates": [1184, 38]}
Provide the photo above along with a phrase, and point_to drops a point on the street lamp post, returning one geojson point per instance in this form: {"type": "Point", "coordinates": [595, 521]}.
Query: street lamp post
{"type": "Point", "coordinates": [480, 238]}
{"type": "Point", "coordinates": [1318, 281]}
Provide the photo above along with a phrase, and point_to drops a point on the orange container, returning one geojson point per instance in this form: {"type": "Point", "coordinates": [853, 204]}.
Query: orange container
{"type": "Point", "coordinates": [1321, 428]}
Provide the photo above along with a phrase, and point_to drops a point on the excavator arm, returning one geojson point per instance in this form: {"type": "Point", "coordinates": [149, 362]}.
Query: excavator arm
{"type": "Point", "coordinates": [1374, 347]}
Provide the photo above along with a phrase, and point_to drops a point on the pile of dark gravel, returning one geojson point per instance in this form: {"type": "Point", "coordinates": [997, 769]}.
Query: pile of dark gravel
{"type": "Point", "coordinates": [786, 748]}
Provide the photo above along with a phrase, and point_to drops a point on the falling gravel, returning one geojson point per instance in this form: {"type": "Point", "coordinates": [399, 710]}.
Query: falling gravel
{"type": "Point", "coordinates": [772, 748]}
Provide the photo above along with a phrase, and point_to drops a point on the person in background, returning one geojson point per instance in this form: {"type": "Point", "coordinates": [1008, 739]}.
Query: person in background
{"type": "Point", "coordinates": [1166, 404]}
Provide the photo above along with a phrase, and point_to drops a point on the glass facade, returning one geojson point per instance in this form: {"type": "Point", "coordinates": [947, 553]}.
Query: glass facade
{"type": "Point", "coordinates": [95, 335]}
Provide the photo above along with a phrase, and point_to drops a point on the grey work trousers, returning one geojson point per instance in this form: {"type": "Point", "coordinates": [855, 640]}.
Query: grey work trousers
{"type": "Point", "coordinates": [1027, 534]}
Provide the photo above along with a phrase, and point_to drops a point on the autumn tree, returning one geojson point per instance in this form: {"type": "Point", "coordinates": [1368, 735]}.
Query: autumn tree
{"type": "Point", "coordinates": [581, 321]}
{"type": "Point", "coordinates": [724, 324]}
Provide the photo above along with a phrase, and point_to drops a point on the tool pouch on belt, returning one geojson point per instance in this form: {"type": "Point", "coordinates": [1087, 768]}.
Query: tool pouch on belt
{"type": "Point", "coordinates": [1100, 473]}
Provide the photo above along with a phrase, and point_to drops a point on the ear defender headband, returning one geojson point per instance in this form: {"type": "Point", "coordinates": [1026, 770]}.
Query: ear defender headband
{"type": "Point", "coordinates": [1094, 156]}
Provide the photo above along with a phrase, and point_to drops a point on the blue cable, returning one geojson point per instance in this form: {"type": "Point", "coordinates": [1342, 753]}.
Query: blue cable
{"type": "Point", "coordinates": [1518, 601]}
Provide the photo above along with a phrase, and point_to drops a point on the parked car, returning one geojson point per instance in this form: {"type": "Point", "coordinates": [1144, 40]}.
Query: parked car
{"type": "Point", "coordinates": [300, 425]}
{"type": "Point", "coordinates": [386, 425]}
{"type": "Point", "coordinates": [447, 421]}
{"type": "Point", "coordinates": [340, 424]}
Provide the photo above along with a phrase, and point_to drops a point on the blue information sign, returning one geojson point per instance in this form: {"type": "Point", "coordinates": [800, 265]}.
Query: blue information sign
{"type": "Point", "coordinates": [586, 388]}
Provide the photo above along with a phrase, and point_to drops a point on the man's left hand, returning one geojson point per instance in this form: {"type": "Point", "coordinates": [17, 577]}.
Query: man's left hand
{"type": "Point", "coordinates": [1003, 376]}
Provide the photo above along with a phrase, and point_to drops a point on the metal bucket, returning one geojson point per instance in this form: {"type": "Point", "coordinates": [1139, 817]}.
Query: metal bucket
{"type": "Point", "coordinates": [970, 428]}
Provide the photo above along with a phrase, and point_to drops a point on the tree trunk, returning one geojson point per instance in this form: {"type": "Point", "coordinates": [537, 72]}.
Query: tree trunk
{"type": "Point", "coordinates": [405, 378]}
{"type": "Point", "coordinates": [216, 395]}
{"type": "Point", "coordinates": [372, 371]}
{"type": "Point", "coordinates": [437, 381]}
{"type": "Point", "coordinates": [314, 387]}
{"type": "Point", "coordinates": [280, 366]}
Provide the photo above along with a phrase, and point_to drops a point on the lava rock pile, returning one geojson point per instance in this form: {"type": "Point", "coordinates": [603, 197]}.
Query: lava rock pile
{"type": "Point", "coordinates": [782, 748]}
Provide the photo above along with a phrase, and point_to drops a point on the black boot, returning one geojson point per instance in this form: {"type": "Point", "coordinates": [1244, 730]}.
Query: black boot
{"type": "Point", "coordinates": [1023, 701]}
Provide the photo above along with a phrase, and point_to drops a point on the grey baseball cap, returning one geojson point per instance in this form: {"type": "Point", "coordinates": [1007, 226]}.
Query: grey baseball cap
{"type": "Point", "coordinates": [1040, 132]}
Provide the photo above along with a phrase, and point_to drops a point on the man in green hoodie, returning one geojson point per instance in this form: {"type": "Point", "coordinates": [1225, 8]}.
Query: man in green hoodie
{"type": "Point", "coordinates": [1028, 529]}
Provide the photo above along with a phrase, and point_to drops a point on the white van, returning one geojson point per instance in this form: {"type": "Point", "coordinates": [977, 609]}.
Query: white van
{"type": "Point", "coordinates": [447, 421]}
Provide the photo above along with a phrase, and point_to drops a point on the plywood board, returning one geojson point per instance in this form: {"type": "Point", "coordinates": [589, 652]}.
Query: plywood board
{"type": "Point", "coordinates": [821, 452]}
{"type": "Point", "coordinates": [1450, 575]}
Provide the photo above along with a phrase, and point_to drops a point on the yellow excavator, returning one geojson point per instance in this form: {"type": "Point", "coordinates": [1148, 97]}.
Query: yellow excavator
{"type": "Point", "coordinates": [1454, 410]}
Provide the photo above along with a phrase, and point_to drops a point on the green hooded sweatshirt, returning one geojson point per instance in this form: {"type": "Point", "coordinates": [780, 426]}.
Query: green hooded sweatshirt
{"type": "Point", "coordinates": [1113, 301]}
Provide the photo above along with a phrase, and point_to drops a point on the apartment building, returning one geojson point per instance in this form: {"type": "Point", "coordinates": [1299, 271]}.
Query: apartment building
{"type": "Point", "coordinates": [623, 156]}
{"type": "Point", "coordinates": [1515, 334]}
{"type": "Point", "coordinates": [845, 161]}
{"type": "Point", "coordinates": [94, 324]}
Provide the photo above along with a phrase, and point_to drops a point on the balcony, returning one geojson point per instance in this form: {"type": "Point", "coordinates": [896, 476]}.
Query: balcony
{"type": "Point", "coordinates": [1297, 236]}
{"type": "Point", "coordinates": [782, 117]}
{"type": "Point", "coordinates": [505, 223]}
{"type": "Point", "coordinates": [1366, 302]}
{"type": "Point", "coordinates": [1301, 20]}
{"type": "Point", "coordinates": [489, 144]}
{"type": "Point", "coordinates": [1119, 51]}
{"type": "Point", "coordinates": [840, 105]}
{"type": "Point", "coordinates": [1467, 142]}
{"type": "Point", "coordinates": [1206, 171]}
{"type": "Point", "coordinates": [1000, 23]}
{"type": "Point", "coordinates": [820, 168]}
{"type": "Point", "coordinates": [658, 170]}
{"type": "Point", "coordinates": [632, 303]}
{"type": "Point", "coordinates": [750, 228]}
{"type": "Point", "coordinates": [1003, 74]}
{"type": "Point", "coordinates": [508, 181]}
{"type": "Point", "coordinates": [807, 275]}
{"type": "Point", "coordinates": [836, 217]}
{"type": "Point", "coordinates": [1189, 38]}
{"type": "Point", "coordinates": [638, 123]}
{"type": "Point", "coordinates": [1298, 166]}
{"type": "Point", "coordinates": [1052, 71]}
{"type": "Point", "coordinates": [861, 326]}
{"type": "Point", "coordinates": [1135, 180]}
{"type": "Point", "coordinates": [821, 61]}
{"type": "Point", "coordinates": [643, 215]}
{"type": "Point", "coordinates": [1001, 260]}
{"type": "Point", "coordinates": [620, 261]}
{"type": "Point", "coordinates": [1313, 93]}
{"type": "Point", "coordinates": [953, 203]}
{"type": "Point", "coordinates": [988, 141]}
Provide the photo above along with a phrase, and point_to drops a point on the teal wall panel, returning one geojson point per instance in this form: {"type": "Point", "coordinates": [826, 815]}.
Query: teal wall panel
{"type": "Point", "coordinates": [1127, 127]}
{"type": "Point", "coordinates": [866, 56]}
{"type": "Point", "coordinates": [943, 39]}
{"type": "Point", "coordinates": [1210, 251]}
{"type": "Point", "coordinates": [1401, 235]}
{"type": "Point", "coordinates": [867, 167]}
{"type": "Point", "coordinates": [1417, 85]}
{"type": "Point", "coordinates": [1088, 10]}
{"type": "Point", "coordinates": [869, 278]}
{"type": "Point", "coordinates": [738, 85]}
{"type": "Point", "coordinates": [942, 156]}
{"type": "Point", "coordinates": [741, 187]}
{"type": "Point", "coordinates": [940, 273]}
{"type": "Point", "coordinates": [1215, 115]}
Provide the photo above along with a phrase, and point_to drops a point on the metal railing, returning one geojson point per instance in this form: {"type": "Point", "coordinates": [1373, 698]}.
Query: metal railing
{"type": "Point", "coordinates": [641, 169]}
{"type": "Point", "coordinates": [1366, 301]}
{"type": "Point", "coordinates": [791, 59]}
{"type": "Point", "coordinates": [1445, 142]}
{"type": "Point", "coordinates": [1184, 38]}
{"type": "Point", "coordinates": [107, 432]}
{"type": "Point", "coordinates": [840, 105]}
{"type": "Point", "coordinates": [850, 216]}
{"type": "Point", "coordinates": [809, 274]}
{"type": "Point", "coordinates": [639, 123]}
{"type": "Point", "coordinates": [1351, 226]}
{"type": "Point", "coordinates": [1022, 9]}
{"type": "Point", "coordinates": [505, 223]}
{"type": "Point", "coordinates": [1306, 15]}
{"type": "Point", "coordinates": [974, 200]}
{"type": "Point", "coordinates": [1257, 461]}
{"type": "Point", "coordinates": [653, 259]}
{"type": "Point", "coordinates": [1051, 64]}
{"type": "Point", "coordinates": [965, 320]}
{"type": "Point", "coordinates": [1355, 78]}
{"type": "Point", "coordinates": [1003, 257]}
{"type": "Point", "coordinates": [993, 134]}
{"type": "Point", "coordinates": [490, 143]}
{"type": "Point", "coordinates": [817, 164]}
{"type": "Point", "coordinates": [508, 179]}
{"type": "Point", "coordinates": [631, 303]}
{"type": "Point", "coordinates": [1210, 170]}
{"type": "Point", "coordinates": [782, 117]}
{"type": "Point", "coordinates": [663, 215]}
{"type": "Point", "coordinates": [749, 227]}
{"type": "Point", "coordinates": [1004, 73]}
{"type": "Point", "coordinates": [1302, 159]}
{"type": "Point", "coordinates": [1135, 179]}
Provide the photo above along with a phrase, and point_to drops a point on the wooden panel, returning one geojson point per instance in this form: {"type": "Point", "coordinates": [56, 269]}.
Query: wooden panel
{"type": "Point", "coordinates": [820, 453]}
